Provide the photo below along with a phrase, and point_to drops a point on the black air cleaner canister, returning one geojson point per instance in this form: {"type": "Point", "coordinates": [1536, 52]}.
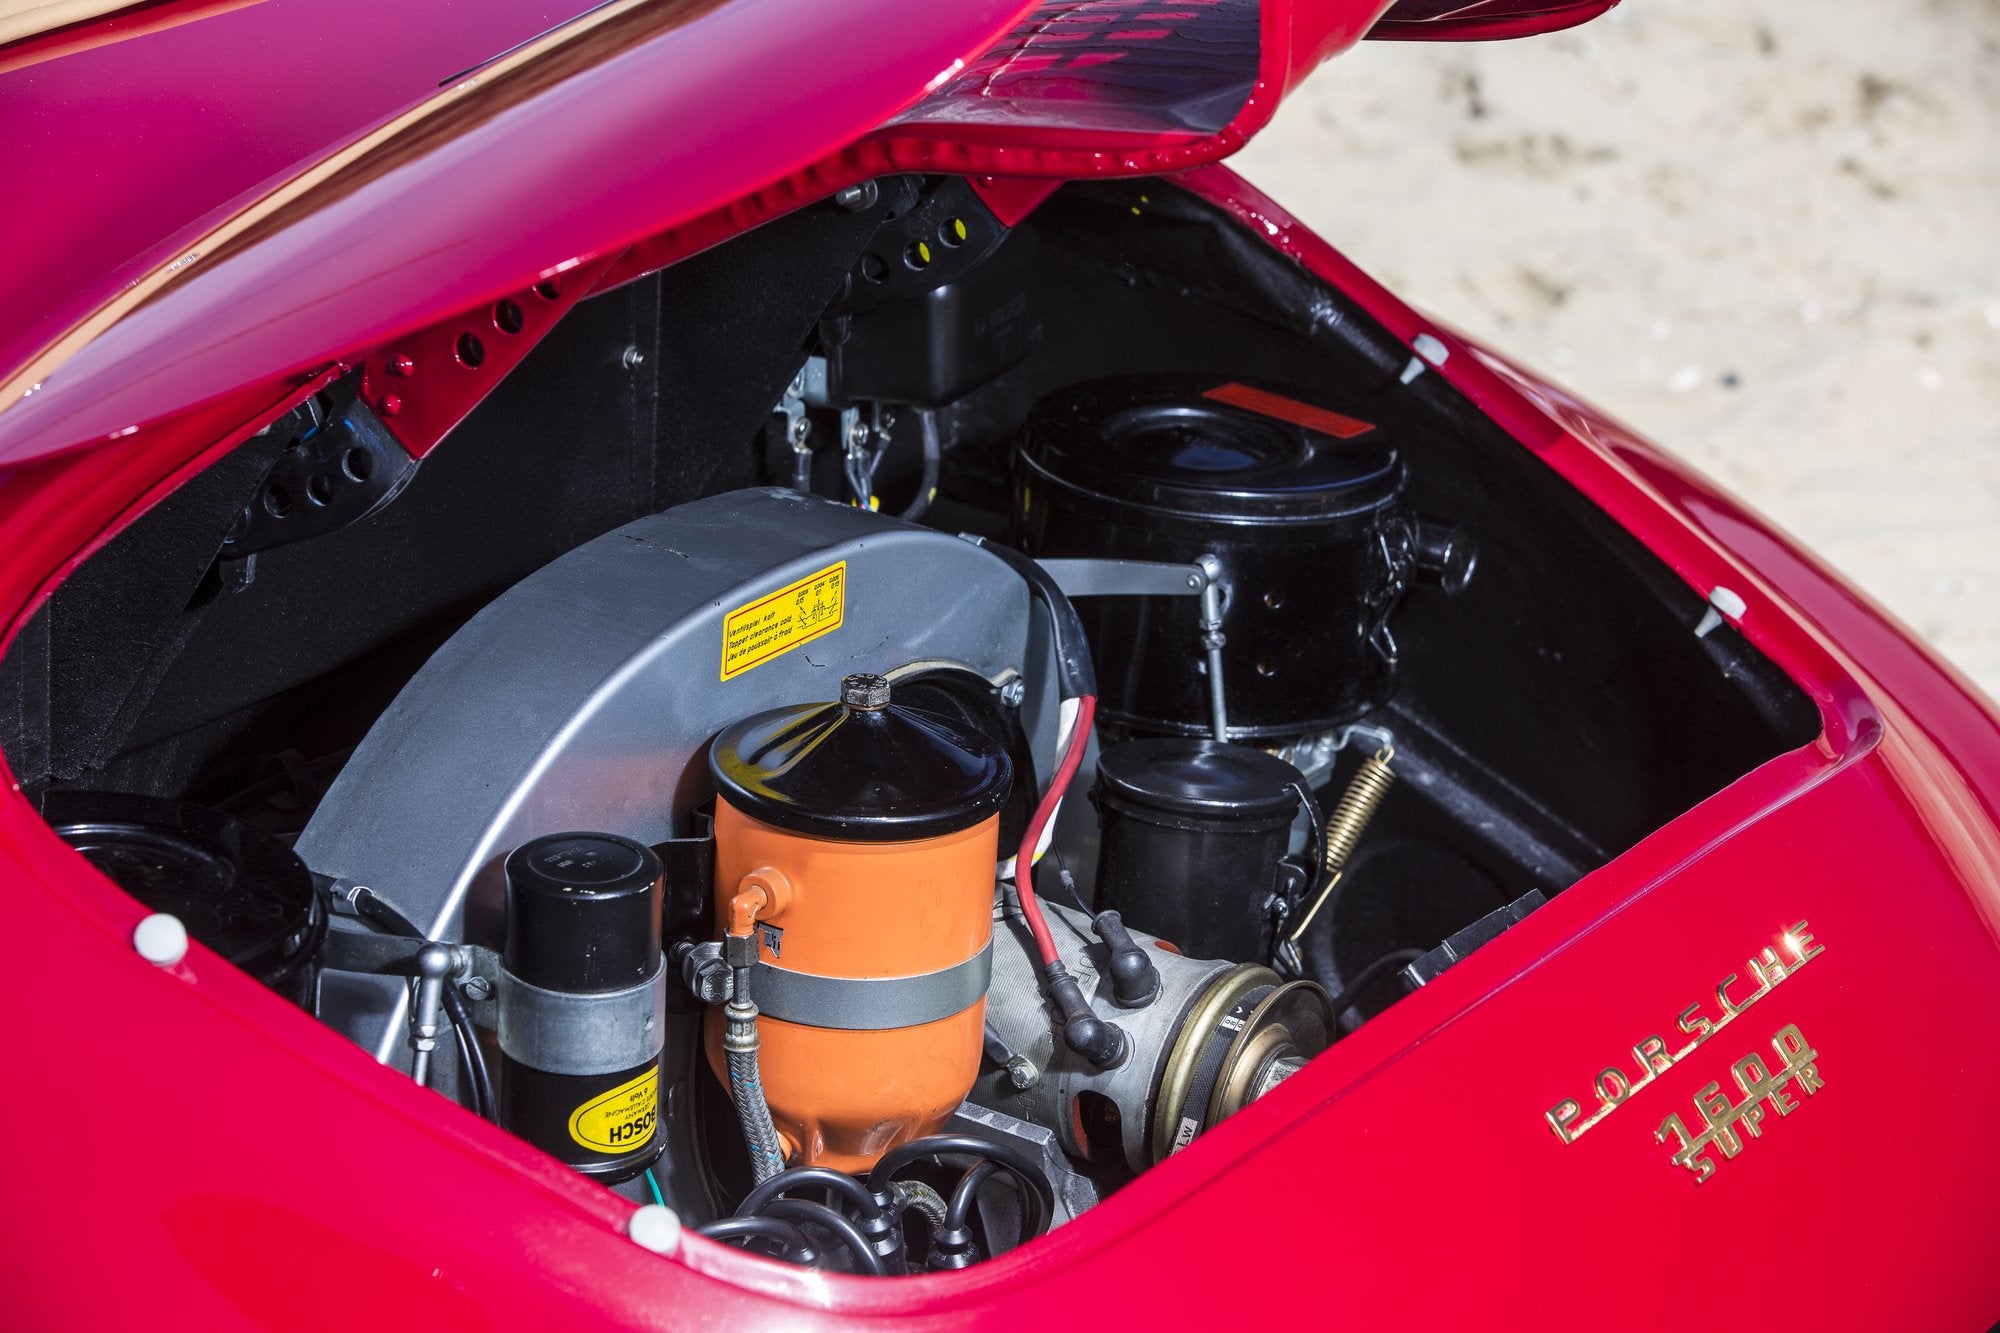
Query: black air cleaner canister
{"type": "Point", "coordinates": [1192, 833]}
{"type": "Point", "coordinates": [1301, 505]}
{"type": "Point", "coordinates": [235, 887]}
{"type": "Point", "coordinates": [583, 1002]}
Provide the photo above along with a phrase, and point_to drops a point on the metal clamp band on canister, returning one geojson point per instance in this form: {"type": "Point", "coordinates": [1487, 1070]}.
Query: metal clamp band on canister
{"type": "Point", "coordinates": [562, 1032]}
{"type": "Point", "coordinates": [871, 1004]}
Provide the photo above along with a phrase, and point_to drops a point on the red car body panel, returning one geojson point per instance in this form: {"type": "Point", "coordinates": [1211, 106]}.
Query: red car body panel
{"type": "Point", "coordinates": [1408, 1175]}
{"type": "Point", "coordinates": [213, 112]}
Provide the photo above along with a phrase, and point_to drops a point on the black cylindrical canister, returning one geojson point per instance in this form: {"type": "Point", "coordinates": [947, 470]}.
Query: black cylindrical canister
{"type": "Point", "coordinates": [583, 1002]}
{"type": "Point", "coordinates": [1303, 508]}
{"type": "Point", "coordinates": [1191, 838]}
{"type": "Point", "coordinates": [236, 888]}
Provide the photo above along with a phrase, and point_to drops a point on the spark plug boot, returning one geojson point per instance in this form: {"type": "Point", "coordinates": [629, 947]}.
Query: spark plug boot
{"type": "Point", "coordinates": [1103, 1044]}
{"type": "Point", "coordinates": [1135, 982]}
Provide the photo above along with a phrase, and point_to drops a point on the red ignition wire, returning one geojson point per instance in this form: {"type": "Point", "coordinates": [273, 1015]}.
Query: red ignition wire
{"type": "Point", "coordinates": [1024, 861]}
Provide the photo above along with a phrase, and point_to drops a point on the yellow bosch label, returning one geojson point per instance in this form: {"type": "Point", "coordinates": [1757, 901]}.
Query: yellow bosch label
{"type": "Point", "coordinates": [793, 615]}
{"type": "Point", "coordinates": [621, 1120]}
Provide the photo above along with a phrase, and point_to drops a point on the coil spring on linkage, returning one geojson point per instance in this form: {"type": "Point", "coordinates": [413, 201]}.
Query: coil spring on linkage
{"type": "Point", "coordinates": [1370, 783]}
{"type": "Point", "coordinates": [1357, 806]}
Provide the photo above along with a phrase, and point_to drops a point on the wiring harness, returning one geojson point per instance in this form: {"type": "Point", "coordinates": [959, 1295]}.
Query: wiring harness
{"type": "Point", "coordinates": [862, 1222]}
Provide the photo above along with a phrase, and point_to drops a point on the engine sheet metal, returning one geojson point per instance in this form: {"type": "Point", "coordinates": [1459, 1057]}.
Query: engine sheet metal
{"type": "Point", "coordinates": [584, 698]}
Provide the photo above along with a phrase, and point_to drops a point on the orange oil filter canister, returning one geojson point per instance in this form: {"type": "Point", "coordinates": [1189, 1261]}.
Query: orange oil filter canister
{"type": "Point", "coordinates": [865, 834]}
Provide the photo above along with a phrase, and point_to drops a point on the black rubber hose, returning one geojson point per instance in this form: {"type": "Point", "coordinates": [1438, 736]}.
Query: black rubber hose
{"type": "Point", "coordinates": [471, 1058]}
{"type": "Point", "coordinates": [967, 1194]}
{"type": "Point", "coordinates": [809, 1177]}
{"type": "Point", "coordinates": [377, 909]}
{"type": "Point", "coordinates": [953, 1246]}
{"type": "Point", "coordinates": [1074, 673]}
{"type": "Point", "coordinates": [774, 1229]}
{"type": "Point", "coordinates": [1357, 990]}
{"type": "Point", "coordinates": [1024, 1167]}
{"type": "Point", "coordinates": [477, 1078]}
{"type": "Point", "coordinates": [806, 1213]}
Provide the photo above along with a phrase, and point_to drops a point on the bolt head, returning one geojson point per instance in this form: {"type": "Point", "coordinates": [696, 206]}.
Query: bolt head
{"type": "Point", "coordinates": [633, 358]}
{"type": "Point", "coordinates": [401, 366]}
{"type": "Point", "coordinates": [1022, 1073]}
{"type": "Point", "coordinates": [712, 982]}
{"type": "Point", "coordinates": [1013, 692]}
{"type": "Point", "coordinates": [799, 430]}
{"type": "Point", "coordinates": [857, 197]}
{"type": "Point", "coordinates": [476, 988]}
{"type": "Point", "coordinates": [388, 405]}
{"type": "Point", "coordinates": [864, 690]}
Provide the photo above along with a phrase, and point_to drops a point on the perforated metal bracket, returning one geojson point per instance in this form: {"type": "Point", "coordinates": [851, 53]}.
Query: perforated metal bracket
{"type": "Point", "coordinates": [340, 465]}
{"type": "Point", "coordinates": [930, 235]}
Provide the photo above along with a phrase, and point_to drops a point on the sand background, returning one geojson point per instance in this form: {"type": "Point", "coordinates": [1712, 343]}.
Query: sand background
{"type": "Point", "coordinates": [1767, 234]}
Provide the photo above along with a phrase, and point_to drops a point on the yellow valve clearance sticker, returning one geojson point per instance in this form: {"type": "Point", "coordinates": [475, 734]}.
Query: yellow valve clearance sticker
{"type": "Point", "coordinates": [793, 615]}
{"type": "Point", "coordinates": [622, 1119]}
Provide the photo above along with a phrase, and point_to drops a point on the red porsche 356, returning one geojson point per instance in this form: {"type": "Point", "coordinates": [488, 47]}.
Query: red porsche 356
{"type": "Point", "coordinates": [764, 664]}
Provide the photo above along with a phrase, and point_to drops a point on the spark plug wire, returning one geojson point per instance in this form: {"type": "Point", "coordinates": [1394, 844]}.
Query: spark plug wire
{"type": "Point", "coordinates": [1024, 860]}
{"type": "Point", "coordinates": [1103, 1044]}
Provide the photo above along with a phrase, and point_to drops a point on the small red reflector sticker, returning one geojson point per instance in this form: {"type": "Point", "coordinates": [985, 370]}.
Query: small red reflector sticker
{"type": "Point", "coordinates": [1290, 409]}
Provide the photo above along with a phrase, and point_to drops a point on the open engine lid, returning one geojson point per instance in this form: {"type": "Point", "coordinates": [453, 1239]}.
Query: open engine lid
{"type": "Point", "coordinates": [270, 193]}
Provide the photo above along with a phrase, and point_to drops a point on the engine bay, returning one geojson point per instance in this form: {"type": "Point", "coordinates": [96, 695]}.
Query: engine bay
{"type": "Point", "coordinates": [879, 734]}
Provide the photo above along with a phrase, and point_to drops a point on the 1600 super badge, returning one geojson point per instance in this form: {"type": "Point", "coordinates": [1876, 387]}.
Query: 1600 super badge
{"type": "Point", "coordinates": [1723, 1121]}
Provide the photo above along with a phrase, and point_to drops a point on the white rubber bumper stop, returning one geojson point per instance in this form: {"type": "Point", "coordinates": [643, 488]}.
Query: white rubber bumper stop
{"type": "Point", "coordinates": [161, 939]}
{"type": "Point", "coordinates": [655, 1228]}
